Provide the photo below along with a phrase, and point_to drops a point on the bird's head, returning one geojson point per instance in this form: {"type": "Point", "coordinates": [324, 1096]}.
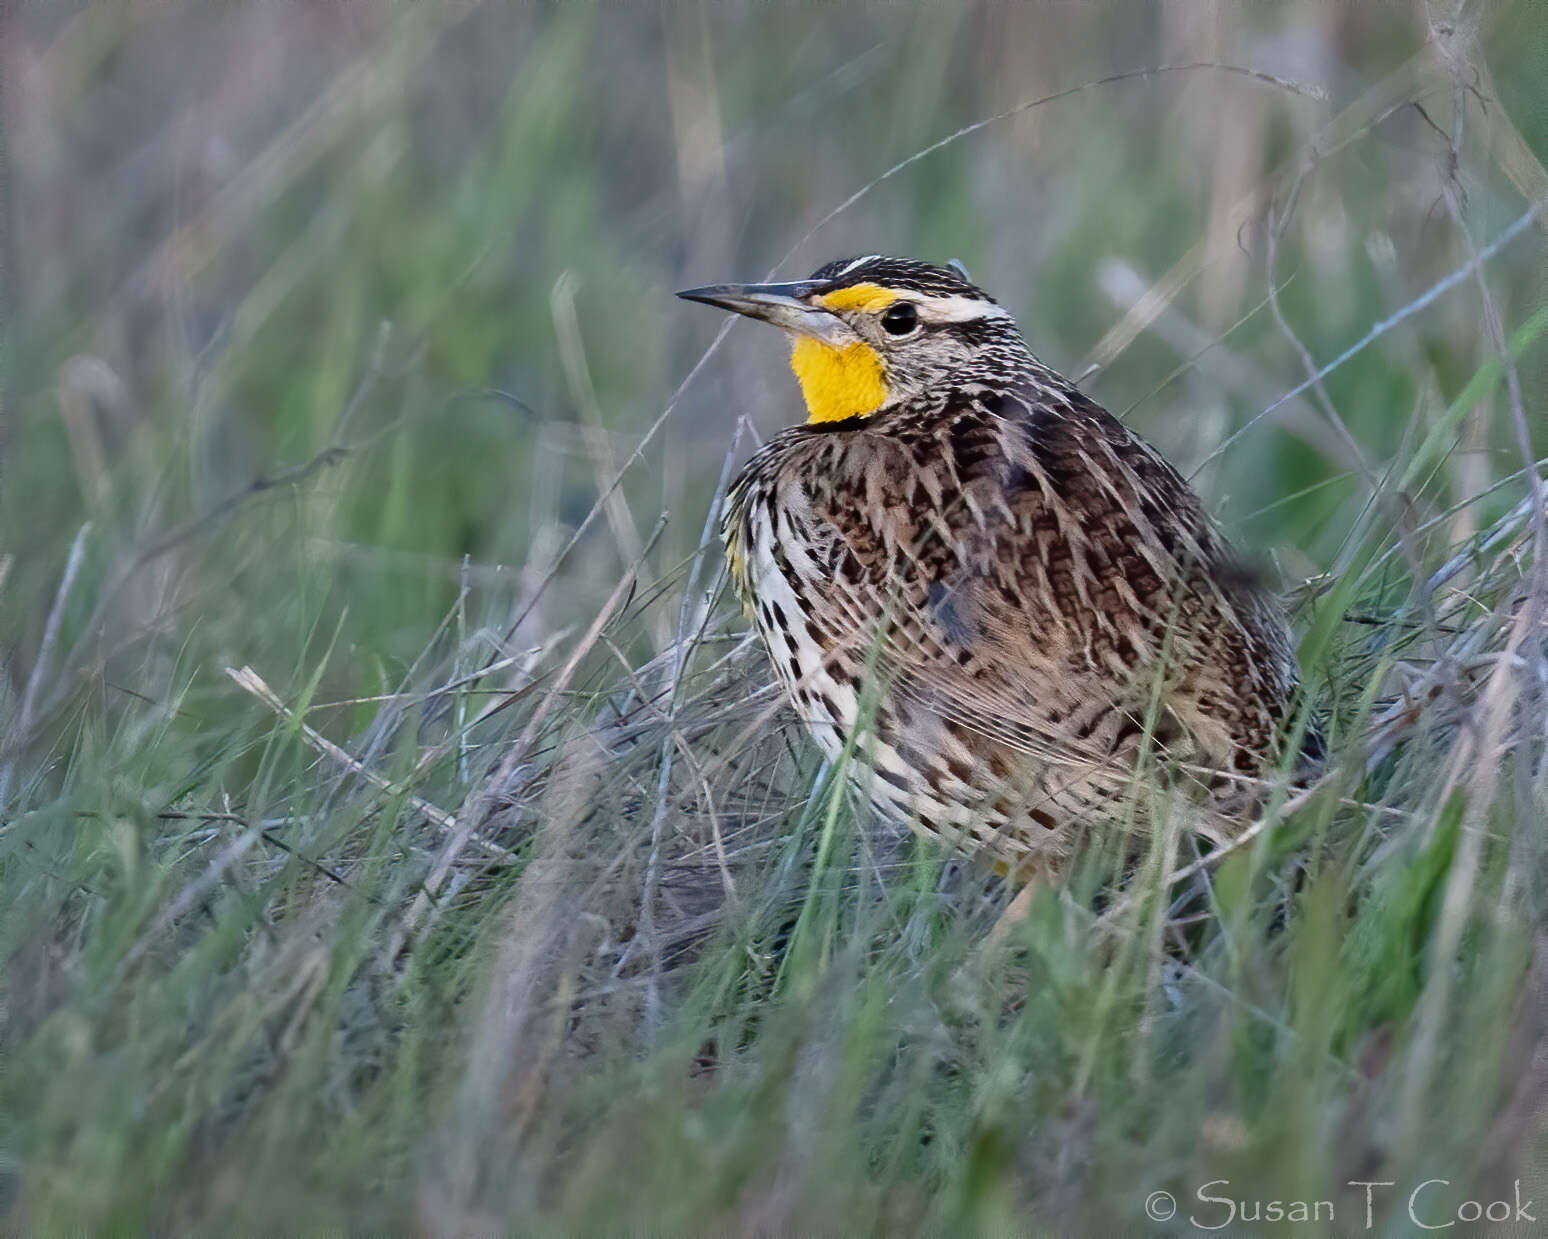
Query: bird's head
{"type": "Point", "coordinates": [871, 333]}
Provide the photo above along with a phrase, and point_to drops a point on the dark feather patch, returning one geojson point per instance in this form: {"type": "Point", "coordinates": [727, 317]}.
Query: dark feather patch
{"type": "Point", "coordinates": [900, 273]}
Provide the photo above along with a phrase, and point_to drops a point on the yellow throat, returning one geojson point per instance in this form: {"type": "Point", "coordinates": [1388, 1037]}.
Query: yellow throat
{"type": "Point", "coordinates": [838, 382]}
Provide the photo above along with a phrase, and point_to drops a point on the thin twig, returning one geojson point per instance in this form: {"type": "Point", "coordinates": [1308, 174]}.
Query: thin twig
{"type": "Point", "coordinates": [1382, 326]}
{"type": "Point", "coordinates": [1135, 75]}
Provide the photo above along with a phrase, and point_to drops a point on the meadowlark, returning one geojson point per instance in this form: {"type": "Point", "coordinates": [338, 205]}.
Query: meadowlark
{"type": "Point", "coordinates": [1041, 609]}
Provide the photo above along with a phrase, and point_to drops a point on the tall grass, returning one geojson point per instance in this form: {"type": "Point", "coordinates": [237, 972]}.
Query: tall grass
{"type": "Point", "coordinates": [399, 825]}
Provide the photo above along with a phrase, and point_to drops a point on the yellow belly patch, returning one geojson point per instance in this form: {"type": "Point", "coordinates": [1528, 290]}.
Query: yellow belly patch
{"type": "Point", "coordinates": [838, 382]}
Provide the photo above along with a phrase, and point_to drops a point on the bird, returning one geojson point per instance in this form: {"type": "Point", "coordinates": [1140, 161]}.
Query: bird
{"type": "Point", "coordinates": [1008, 606]}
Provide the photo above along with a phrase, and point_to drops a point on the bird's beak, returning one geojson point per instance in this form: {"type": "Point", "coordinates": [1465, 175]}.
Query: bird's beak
{"type": "Point", "coordinates": [784, 305]}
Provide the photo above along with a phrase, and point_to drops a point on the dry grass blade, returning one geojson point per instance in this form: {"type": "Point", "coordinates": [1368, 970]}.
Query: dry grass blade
{"type": "Point", "coordinates": [249, 681]}
{"type": "Point", "coordinates": [479, 804]}
{"type": "Point", "coordinates": [519, 1027]}
{"type": "Point", "coordinates": [20, 732]}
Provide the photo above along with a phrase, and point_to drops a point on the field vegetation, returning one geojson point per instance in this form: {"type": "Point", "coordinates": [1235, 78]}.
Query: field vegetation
{"type": "Point", "coordinates": [398, 826]}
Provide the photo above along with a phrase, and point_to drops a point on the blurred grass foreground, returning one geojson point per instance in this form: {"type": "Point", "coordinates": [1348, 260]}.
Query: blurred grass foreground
{"type": "Point", "coordinates": [397, 827]}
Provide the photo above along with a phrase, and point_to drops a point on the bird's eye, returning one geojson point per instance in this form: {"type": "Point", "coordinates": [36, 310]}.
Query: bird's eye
{"type": "Point", "coordinates": [900, 318]}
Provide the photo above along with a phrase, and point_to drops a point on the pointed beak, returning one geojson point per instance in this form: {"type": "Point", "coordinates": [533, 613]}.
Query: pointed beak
{"type": "Point", "coordinates": [784, 305]}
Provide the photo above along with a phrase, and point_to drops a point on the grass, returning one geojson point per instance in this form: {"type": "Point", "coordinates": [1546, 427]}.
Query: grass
{"type": "Point", "coordinates": [399, 827]}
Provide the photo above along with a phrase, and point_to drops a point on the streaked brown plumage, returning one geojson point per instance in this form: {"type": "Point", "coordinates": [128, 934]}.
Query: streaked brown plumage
{"type": "Point", "coordinates": [1023, 580]}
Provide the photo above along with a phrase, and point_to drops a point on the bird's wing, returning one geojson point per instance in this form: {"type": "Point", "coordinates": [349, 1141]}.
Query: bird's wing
{"type": "Point", "coordinates": [1036, 565]}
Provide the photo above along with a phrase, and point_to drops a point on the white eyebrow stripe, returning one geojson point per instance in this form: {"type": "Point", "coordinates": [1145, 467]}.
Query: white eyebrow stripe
{"type": "Point", "coordinates": [859, 262]}
{"type": "Point", "coordinates": [957, 309]}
